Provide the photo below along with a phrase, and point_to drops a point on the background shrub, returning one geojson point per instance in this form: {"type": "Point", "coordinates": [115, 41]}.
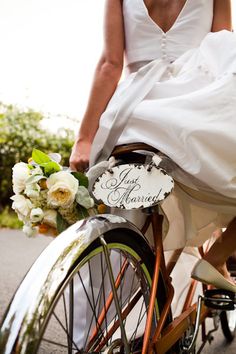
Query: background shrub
{"type": "Point", "coordinates": [20, 132]}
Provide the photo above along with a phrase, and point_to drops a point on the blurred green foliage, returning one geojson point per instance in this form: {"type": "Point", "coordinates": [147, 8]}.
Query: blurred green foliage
{"type": "Point", "coordinates": [20, 132]}
{"type": "Point", "coordinates": [9, 219]}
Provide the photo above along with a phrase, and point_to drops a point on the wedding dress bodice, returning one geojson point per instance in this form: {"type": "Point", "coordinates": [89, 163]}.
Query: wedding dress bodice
{"type": "Point", "coordinates": [146, 41]}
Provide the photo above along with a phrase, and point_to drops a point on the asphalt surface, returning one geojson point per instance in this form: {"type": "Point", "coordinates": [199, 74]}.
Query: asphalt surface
{"type": "Point", "coordinates": [18, 252]}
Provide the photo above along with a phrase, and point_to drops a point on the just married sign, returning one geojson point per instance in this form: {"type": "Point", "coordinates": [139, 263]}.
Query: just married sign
{"type": "Point", "coordinates": [133, 186]}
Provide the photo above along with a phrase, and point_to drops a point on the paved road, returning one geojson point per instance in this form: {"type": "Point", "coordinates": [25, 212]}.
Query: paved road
{"type": "Point", "coordinates": [17, 253]}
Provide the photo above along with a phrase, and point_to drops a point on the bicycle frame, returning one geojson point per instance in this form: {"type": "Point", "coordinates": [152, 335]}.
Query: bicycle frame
{"type": "Point", "coordinates": [165, 338]}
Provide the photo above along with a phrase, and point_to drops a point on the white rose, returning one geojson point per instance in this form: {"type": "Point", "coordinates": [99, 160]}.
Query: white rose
{"type": "Point", "coordinates": [83, 198]}
{"type": "Point", "coordinates": [20, 173]}
{"type": "Point", "coordinates": [32, 190]}
{"type": "Point", "coordinates": [21, 217]}
{"type": "Point", "coordinates": [21, 204]}
{"type": "Point", "coordinates": [36, 171]}
{"type": "Point", "coordinates": [50, 218]}
{"type": "Point", "coordinates": [62, 188]}
{"type": "Point", "coordinates": [29, 230]}
{"type": "Point", "coordinates": [36, 215]}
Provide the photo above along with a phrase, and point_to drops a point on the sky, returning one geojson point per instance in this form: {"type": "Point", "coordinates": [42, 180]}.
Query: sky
{"type": "Point", "coordinates": [49, 49]}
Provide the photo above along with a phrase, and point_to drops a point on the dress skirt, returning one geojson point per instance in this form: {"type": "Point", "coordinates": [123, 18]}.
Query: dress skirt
{"type": "Point", "coordinates": [186, 110]}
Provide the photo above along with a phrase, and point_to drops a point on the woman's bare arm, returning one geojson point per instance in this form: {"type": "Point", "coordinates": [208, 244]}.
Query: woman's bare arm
{"type": "Point", "coordinates": [106, 78]}
{"type": "Point", "coordinates": [222, 15]}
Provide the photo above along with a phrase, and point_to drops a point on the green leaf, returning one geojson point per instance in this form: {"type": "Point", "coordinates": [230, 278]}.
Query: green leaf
{"type": "Point", "coordinates": [50, 167]}
{"type": "Point", "coordinates": [62, 224]}
{"type": "Point", "coordinates": [83, 213]}
{"type": "Point", "coordinates": [40, 157]}
{"type": "Point", "coordinates": [83, 180]}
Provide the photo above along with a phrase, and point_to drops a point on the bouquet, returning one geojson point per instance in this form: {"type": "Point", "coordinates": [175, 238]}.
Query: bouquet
{"type": "Point", "coordinates": [48, 197]}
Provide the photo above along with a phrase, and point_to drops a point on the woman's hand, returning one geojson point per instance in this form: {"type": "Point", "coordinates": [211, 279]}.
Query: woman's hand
{"type": "Point", "coordinates": [79, 158]}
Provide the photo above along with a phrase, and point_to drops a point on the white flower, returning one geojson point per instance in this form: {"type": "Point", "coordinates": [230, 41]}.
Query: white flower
{"type": "Point", "coordinates": [21, 205]}
{"type": "Point", "coordinates": [36, 171]}
{"type": "Point", "coordinates": [29, 230]}
{"type": "Point", "coordinates": [62, 188]}
{"type": "Point", "coordinates": [83, 198]}
{"type": "Point", "coordinates": [21, 217]}
{"type": "Point", "coordinates": [36, 215]}
{"type": "Point", "coordinates": [55, 156]}
{"type": "Point", "coordinates": [20, 174]}
{"type": "Point", "coordinates": [32, 190]}
{"type": "Point", "coordinates": [50, 217]}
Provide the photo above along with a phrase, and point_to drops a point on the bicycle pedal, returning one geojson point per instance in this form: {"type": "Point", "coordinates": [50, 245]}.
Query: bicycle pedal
{"type": "Point", "coordinates": [220, 299]}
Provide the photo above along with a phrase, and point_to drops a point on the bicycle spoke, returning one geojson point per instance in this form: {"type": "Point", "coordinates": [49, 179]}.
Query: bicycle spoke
{"type": "Point", "coordinates": [116, 300]}
{"type": "Point", "coordinates": [114, 323]}
{"type": "Point", "coordinates": [71, 314]}
{"type": "Point", "coordinates": [91, 285]}
{"type": "Point", "coordinates": [127, 310]}
{"type": "Point", "coordinates": [91, 322]}
{"type": "Point", "coordinates": [124, 314]}
{"type": "Point", "coordinates": [66, 319]}
{"type": "Point", "coordinates": [132, 304]}
{"type": "Point", "coordinates": [130, 294]}
{"type": "Point", "coordinates": [103, 287]}
{"type": "Point", "coordinates": [63, 327]}
{"type": "Point", "coordinates": [122, 281]}
{"type": "Point", "coordinates": [109, 301]}
{"type": "Point", "coordinates": [93, 311]}
{"type": "Point", "coordinates": [140, 318]}
{"type": "Point", "coordinates": [123, 269]}
{"type": "Point", "coordinates": [99, 296]}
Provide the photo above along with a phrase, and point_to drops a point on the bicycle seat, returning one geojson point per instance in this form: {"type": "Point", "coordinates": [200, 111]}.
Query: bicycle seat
{"type": "Point", "coordinates": [133, 152]}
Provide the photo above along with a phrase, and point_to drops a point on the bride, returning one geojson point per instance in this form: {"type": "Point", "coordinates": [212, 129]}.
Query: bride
{"type": "Point", "coordinates": [179, 96]}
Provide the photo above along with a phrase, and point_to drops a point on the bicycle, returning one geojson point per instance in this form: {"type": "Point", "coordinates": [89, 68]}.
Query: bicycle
{"type": "Point", "coordinates": [102, 275]}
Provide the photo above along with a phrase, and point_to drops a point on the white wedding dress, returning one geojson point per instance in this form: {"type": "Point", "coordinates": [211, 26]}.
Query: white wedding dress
{"type": "Point", "coordinates": [180, 96]}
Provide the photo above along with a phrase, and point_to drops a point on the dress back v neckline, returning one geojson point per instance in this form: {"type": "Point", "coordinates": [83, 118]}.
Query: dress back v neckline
{"type": "Point", "coordinates": [174, 23]}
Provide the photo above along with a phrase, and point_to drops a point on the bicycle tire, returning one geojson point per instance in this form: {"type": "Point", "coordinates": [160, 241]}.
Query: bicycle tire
{"type": "Point", "coordinates": [134, 245]}
{"type": "Point", "coordinates": [134, 250]}
{"type": "Point", "coordinates": [228, 324]}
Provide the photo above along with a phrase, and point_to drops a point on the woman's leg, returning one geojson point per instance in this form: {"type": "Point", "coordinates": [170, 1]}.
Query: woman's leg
{"type": "Point", "coordinates": [223, 247]}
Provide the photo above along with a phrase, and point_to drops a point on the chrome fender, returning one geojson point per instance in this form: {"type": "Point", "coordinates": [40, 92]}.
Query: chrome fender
{"type": "Point", "coordinates": [29, 307]}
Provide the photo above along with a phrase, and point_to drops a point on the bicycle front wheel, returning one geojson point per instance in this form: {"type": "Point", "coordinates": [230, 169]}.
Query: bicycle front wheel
{"type": "Point", "coordinates": [84, 316]}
